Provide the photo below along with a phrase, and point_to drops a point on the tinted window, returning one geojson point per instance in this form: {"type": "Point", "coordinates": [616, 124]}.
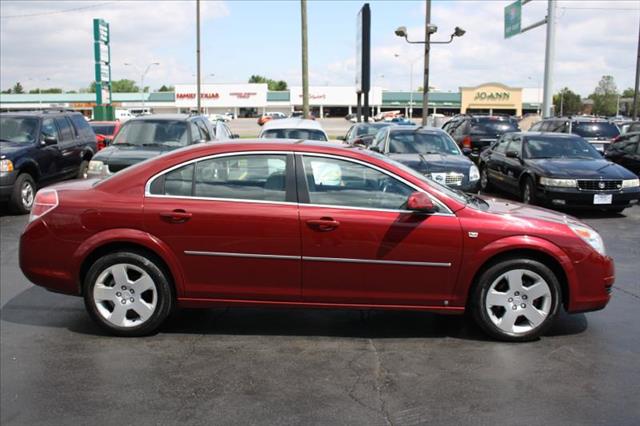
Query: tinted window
{"type": "Point", "coordinates": [66, 134]}
{"type": "Point", "coordinates": [371, 129]}
{"type": "Point", "coordinates": [179, 181]}
{"type": "Point", "coordinates": [343, 183]}
{"type": "Point", "coordinates": [515, 145]}
{"type": "Point", "coordinates": [18, 129]}
{"type": "Point", "coordinates": [413, 142]}
{"type": "Point", "coordinates": [204, 131]}
{"type": "Point", "coordinates": [501, 146]}
{"type": "Point", "coordinates": [80, 124]}
{"type": "Point", "coordinates": [595, 130]}
{"type": "Point", "coordinates": [103, 129]}
{"type": "Point", "coordinates": [493, 125]}
{"type": "Point", "coordinates": [569, 147]}
{"type": "Point", "coordinates": [307, 134]}
{"type": "Point", "coordinates": [246, 177]}
{"type": "Point", "coordinates": [153, 132]}
{"type": "Point", "coordinates": [558, 126]}
{"type": "Point", "coordinates": [49, 128]}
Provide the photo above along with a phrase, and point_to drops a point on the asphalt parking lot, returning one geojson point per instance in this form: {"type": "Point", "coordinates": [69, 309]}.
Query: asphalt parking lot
{"type": "Point", "coordinates": [260, 366]}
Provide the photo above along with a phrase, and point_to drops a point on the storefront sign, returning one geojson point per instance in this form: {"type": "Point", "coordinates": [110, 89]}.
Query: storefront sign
{"type": "Point", "coordinates": [193, 95]}
{"type": "Point", "coordinates": [222, 95]}
{"type": "Point", "coordinates": [243, 95]}
{"type": "Point", "coordinates": [492, 96]}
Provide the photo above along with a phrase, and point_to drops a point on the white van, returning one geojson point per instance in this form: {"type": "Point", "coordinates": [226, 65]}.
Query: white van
{"type": "Point", "coordinates": [293, 128]}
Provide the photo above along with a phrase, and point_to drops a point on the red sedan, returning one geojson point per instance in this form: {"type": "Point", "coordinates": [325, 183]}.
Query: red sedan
{"type": "Point", "coordinates": [303, 224]}
{"type": "Point", "coordinates": [105, 132]}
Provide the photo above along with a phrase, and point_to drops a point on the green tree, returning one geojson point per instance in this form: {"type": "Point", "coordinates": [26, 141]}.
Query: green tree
{"type": "Point", "coordinates": [6, 92]}
{"type": "Point", "coordinates": [627, 105]}
{"type": "Point", "coordinates": [271, 84]}
{"type": "Point", "coordinates": [165, 88]}
{"type": "Point", "coordinates": [605, 96]}
{"type": "Point", "coordinates": [17, 88]}
{"type": "Point", "coordinates": [119, 86]}
{"type": "Point", "coordinates": [566, 102]}
{"type": "Point", "coordinates": [49, 90]}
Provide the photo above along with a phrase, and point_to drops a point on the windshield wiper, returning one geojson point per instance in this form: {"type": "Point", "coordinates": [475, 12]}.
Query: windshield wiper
{"type": "Point", "coordinates": [153, 144]}
{"type": "Point", "coordinates": [424, 160]}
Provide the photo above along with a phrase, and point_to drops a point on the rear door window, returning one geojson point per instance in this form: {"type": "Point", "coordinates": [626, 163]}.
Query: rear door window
{"type": "Point", "coordinates": [596, 130]}
{"type": "Point", "coordinates": [66, 132]}
{"type": "Point", "coordinates": [49, 129]}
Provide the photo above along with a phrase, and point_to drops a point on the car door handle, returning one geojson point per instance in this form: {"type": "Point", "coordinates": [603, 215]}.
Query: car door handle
{"type": "Point", "coordinates": [325, 224]}
{"type": "Point", "coordinates": [176, 216]}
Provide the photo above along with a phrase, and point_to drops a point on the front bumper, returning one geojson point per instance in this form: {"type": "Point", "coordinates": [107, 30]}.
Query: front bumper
{"type": "Point", "coordinates": [7, 179]}
{"type": "Point", "coordinates": [573, 198]}
{"type": "Point", "coordinates": [595, 276]}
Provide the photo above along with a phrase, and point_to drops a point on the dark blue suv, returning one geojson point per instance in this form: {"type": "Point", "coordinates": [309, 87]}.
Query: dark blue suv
{"type": "Point", "coordinates": [41, 147]}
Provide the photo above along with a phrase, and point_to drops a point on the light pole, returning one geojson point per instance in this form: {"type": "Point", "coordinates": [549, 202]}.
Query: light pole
{"type": "Point", "coordinates": [411, 64]}
{"type": "Point", "coordinates": [142, 75]}
{"type": "Point", "coordinates": [429, 29]}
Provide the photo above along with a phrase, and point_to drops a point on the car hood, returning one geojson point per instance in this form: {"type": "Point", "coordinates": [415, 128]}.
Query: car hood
{"type": "Point", "coordinates": [130, 154]}
{"type": "Point", "coordinates": [10, 149]}
{"type": "Point", "coordinates": [581, 169]}
{"type": "Point", "coordinates": [435, 163]}
{"type": "Point", "coordinates": [524, 211]}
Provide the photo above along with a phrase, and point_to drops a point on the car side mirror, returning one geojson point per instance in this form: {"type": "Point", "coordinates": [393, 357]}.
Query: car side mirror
{"type": "Point", "coordinates": [49, 140]}
{"type": "Point", "coordinates": [375, 148]}
{"type": "Point", "coordinates": [235, 136]}
{"type": "Point", "coordinates": [467, 151]}
{"type": "Point", "coordinates": [420, 202]}
{"type": "Point", "coordinates": [513, 154]}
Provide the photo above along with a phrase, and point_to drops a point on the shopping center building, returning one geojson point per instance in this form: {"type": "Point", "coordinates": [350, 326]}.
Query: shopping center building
{"type": "Point", "coordinates": [249, 100]}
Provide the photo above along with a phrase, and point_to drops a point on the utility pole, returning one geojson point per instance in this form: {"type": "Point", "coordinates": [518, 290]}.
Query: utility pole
{"type": "Point", "coordinates": [305, 60]}
{"type": "Point", "coordinates": [198, 54]}
{"type": "Point", "coordinates": [427, 48]}
{"type": "Point", "coordinates": [635, 94]}
{"type": "Point", "coordinates": [549, 54]}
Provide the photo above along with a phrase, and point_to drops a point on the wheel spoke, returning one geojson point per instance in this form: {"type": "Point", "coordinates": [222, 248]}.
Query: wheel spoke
{"type": "Point", "coordinates": [143, 284]}
{"type": "Point", "coordinates": [514, 278]}
{"type": "Point", "coordinates": [118, 315]}
{"type": "Point", "coordinates": [143, 309]}
{"type": "Point", "coordinates": [495, 298]}
{"type": "Point", "coordinates": [102, 292]}
{"type": "Point", "coordinates": [119, 273]}
{"type": "Point", "coordinates": [508, 320]}
{"type": "Point", "coordinates": [537, 290]}
{"type": "Point", "coordinates": [534, 316]}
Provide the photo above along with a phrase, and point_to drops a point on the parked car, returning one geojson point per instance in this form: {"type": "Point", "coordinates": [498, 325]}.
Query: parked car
{"type": "Point", "coordinates": [39, 148]}
{"type": "Point", "coordinates": [625, 150]}
{"type": "Point", "coordinates": [560, 170]}
{"type": "Point", "coordinates": [630, 126]}
{"type": "Point", "coordinates": [402, 121]}
{"type": "Point", "coordinates": [270, 116]}
{"type": "Point", "coordinates": [386, 115]}
{"type": "Point", "coordinates": [597, 131]}
{"type": "Point", "coordinates": [431, 152]}
{"type": "Point", "coordinates": [476, 132]}
{"type": "Point", "coordinates": [303, 224]}
{"type": "Point", "coordinates": [147, 136]}
{"type": "Point", "coordinates": [293, 128]}
{"type": "Point", "coordinates": [300, 114]}
{"type": "Point", "coordinates": [363, 133]}
{"type": "Point", "coordinates": [105, 131]}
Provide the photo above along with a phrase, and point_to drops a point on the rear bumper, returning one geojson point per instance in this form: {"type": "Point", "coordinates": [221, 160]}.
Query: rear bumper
{"type": "Point", "coordinates": [576, 199]}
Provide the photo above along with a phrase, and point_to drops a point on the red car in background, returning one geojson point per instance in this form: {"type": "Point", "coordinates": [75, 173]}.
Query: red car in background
{"type": "Point", "coordinates": [306, 224]}
{"type": "Point", "coordinates": [105, 131]}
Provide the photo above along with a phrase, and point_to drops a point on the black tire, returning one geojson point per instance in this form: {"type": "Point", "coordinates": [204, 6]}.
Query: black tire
{"type": "Point", "coordinates": [485, 184]}
{"type": "Point", "coordinates": [18, 203]}
{"type": "Point", "coordinates": [164, 303]}
{"type": "Point", "coordinates": [528, 192]}
{"type": "Point", "coordinates": [481, 315]}
{"type": "Point", "coordinates": [82, 171]}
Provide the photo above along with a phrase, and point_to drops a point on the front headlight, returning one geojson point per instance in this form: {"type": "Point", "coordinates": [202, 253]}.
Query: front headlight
{"type": "Point", "coordinates": [97, 168]}
{"type": "Point", "coordinates": [474, 173]}
{"type": "Point", "coordinates": [589, 236]}
{"type": "Point", "coordinates": [562, 183]}
{"type": "Point", "coordinates": [6, 166]}
{"type": "Point", "coordinates": [631, 183]}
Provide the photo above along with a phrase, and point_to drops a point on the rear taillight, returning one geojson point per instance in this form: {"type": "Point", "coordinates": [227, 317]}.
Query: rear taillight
{"type": "Point", "coordinates": [46, 200]}
{"type": "Point", "coordinates": [466, 142]}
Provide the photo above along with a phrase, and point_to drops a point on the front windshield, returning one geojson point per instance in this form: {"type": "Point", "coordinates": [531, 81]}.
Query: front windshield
{"type": "Point", "coordinates": [153, 132]}
{"type": "Point", "coordinates": [371, 129]}
{"type": "Point", "coordinates": [493, 125]}
{"type": "Point", "coordinates": [596, 130]}
{"type": "Point", "coordinates": [566, 147]}
{"type": "Point", "coordinates": [18, 129]}
{"type": "Point", "coordinates": [306, 134]}
{"type": "Point", "coordinates": [421, 142]}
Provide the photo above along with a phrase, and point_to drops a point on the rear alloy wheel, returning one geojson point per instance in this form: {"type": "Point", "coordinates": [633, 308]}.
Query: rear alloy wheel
{"type": "Point", "coordinates": [24, 192]}
{"type": "Point", "coordinates": [528, 192]}
{"type": "Point", "coordinates": [127, 294]}
{"type": "Point", "coordinates": [485, 185]}
{"type": "Point", "coordinates": [516, 300]}
{"type": "Point", "coordinates": [84, 168]}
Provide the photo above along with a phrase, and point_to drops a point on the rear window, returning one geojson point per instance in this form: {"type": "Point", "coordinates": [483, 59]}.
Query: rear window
{"type": "Point", "coordinates": [371, 129]}
{"type": "Point", "coordinates": [307, 134]}
{"type": "Point", "coordinates": [104, 129]}
{"type": "Point", "coordinates": [172, 133]}
{"type": "Point", "coordinates": [596, 130]}
{"type": "Point", "coordinates": [494, 126]}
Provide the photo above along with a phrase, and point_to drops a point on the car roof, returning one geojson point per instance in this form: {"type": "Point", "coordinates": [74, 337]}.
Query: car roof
{"type": "Point", "coordinates": [293, 123]}
{"type": "Point", "coordinates": [546, 134]}
{"type": "Point", "coordinates": [164, 117]}
{"type": "Point", "coordinates": [39, 113]}
{"type": "Point", "coordinates": [416, 129]}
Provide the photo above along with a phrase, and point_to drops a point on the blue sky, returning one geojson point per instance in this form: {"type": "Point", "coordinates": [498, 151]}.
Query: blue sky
{"type": "Point", "coordinates": [240, 38]}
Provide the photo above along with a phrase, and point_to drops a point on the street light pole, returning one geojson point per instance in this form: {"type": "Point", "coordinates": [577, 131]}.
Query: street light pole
{"type": "Point", "coordinates": [549, 59]}
{"type": "Point", "coordinates": [198, 54]}
{"type": "Point", "coordinates": [305, 60]}
{"type": "Point", "coordinates": [635, 93]}
{"type": "Point", "coordinates": [427, 47]}
{"type": "Point", "coordinates": [142, 76]}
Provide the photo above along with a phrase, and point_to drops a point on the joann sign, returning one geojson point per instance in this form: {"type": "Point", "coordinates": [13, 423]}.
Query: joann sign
{"type": "Point", "coordinates": [492, 96]}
